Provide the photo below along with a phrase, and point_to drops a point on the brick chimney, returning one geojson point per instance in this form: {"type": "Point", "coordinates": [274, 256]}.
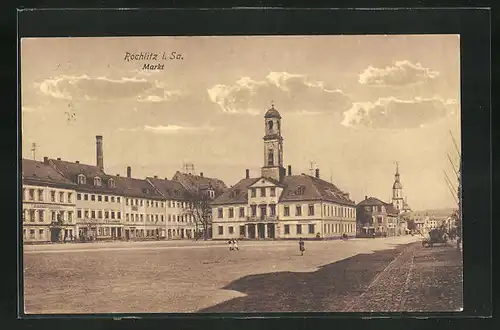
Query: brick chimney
{"type": "Point", "coordinates": [129, 172]}
{"type": "Point", "coordinates": [46, 160]}
{"type": "Point", "coordinates": [317, 173]}
{"type": "Point", "coordinates": [247, 173]}
{"type": "Point", "coordinates": [99, 154]}
{"type": "Point", "coordinates": [289, 170]}
{"type": "Point", "coordinates": [366, 197]}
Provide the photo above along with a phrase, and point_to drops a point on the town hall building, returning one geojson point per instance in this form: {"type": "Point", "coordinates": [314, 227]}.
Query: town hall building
{"type": "Point", "coordinates": [279, 205]}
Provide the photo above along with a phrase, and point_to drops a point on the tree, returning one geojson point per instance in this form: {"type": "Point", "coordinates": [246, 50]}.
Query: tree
{"type": "Point", "coordinates": [199, 208]}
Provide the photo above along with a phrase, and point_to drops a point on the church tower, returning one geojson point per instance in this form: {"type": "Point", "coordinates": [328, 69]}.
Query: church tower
{"type": "Point", "coordinates": [397, 191]}
{"type": "Point", "coordinates": [273, 146]}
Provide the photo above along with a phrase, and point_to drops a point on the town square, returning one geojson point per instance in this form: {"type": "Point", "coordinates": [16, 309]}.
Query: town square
{"type": "Point", "coordinates": [243, 185]}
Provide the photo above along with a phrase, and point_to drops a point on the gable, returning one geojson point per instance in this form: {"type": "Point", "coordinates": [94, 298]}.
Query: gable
{"type": "Point", "coordinates": [264, 182]}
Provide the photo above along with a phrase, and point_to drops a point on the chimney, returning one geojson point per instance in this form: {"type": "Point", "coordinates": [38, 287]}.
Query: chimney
{"type": "Point", "coordinates": [117, 174]}
{"type": "Point", "coordinates": [166, 179]}
{"type": "Point", "coordinates": [129, 172]}
{"type": "Point", "coordinates": [289, 170]}
{"type": "Point", "coordinates": [317, 173]}
{"type": "Point", "coordinates": [77, 162]}
{"type": "Point", "coordinates": [99, 155]}
{"type": "Point", "coordinates": [46, 160]}
{"type": "Point", "coordinates": [366, 197]}
{"type": "Point", "coordinates": [201, 174]}
{"type": "Point", "coordinates": [58, 158]}
{"type": "Point", "coordinates": [247, 173]}
{"type": "Point", "coordinates": [156, 176]}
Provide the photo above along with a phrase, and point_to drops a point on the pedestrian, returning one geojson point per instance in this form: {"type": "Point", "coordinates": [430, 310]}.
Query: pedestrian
{"type": "Point", "coordinates": [301, 246]}
{"type": "Point", "coordinates": [231, 246]}
{"type": "Point", "coordinates": [235, 245]}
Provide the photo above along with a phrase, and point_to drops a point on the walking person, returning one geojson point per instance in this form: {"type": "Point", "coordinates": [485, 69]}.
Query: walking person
{"type": "Point", "coordinates": [235, 245]}
{"type": "Point", "coordinates": [301, 246]}
{"type": "Point", "coordinates": [231, 246]}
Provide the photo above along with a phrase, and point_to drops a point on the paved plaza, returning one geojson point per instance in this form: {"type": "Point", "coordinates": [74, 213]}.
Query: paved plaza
{"type": "Point", "coordinates": [393, 273]}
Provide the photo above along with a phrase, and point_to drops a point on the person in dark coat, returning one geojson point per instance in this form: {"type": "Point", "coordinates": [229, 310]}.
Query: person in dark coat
{"type": "Point", "coordinates": [301, 246]}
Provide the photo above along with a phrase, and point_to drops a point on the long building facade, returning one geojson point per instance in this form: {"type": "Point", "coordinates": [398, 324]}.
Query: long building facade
{"type": "Point", "coordinates": [279, 205]}
{"type": "Point", "coordinates": [69, 201]}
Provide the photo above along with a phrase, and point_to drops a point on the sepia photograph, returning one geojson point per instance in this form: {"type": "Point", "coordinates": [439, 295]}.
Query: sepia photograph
{"type": "Point", "coordinates": [241, 174]}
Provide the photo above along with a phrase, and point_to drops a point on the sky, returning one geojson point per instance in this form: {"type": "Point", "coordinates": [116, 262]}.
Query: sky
{"type": "Point", "coordinates": [351, 105]}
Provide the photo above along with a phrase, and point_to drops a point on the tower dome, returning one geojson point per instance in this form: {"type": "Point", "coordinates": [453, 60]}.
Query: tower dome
{"type": "Point", "coordinates": [272, 113]}
{"type": "Point", "coordinates": [397, 185]}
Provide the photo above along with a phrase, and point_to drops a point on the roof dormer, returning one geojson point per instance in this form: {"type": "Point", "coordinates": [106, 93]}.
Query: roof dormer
{"type": "Point", "coordinates": [82, 179]}
{"type": "Point", "coordinates": [97, 181]}
{"type": "Point", "coordinates": [111, 183]}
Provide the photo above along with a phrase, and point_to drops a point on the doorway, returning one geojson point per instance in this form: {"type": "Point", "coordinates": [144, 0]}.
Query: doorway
{"type": "Point", "coordinates": [54, 234]}
{"type": "Point", "coordinates": [251, 231]}
{"type": "Point", "coordinates": [270, 230]}
{"type": "Point", "coordinates": [262, 230]}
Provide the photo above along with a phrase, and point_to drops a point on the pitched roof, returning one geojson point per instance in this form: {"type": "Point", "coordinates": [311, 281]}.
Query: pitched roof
{"type": "Point", "coordinates": [34, 172]}
{"type": "Point", "coordinates": [312, 189]}
{"type": "Point", "coordinates": [237, 194]}
{"type": "Point", "coordinates": [371, 201]}
{"type": "Point", "coordinates": [390, 209]}
{"type": "Point", "coordinates": [196, 182]}
{"type": "Point", "coordinates": [140, 188]}
{"type": "Point", "coordinates": [170, 189]}
{"type": "Point", "coordinates": [71, 171]}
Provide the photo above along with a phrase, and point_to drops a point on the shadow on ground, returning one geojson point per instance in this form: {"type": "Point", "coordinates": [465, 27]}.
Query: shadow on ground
{"type": "Point", "coordinates": [328, 289]}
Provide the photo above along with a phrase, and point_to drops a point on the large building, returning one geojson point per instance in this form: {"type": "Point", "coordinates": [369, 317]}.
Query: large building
{"type": "Point", "coordinates": [280, 205]}
{"type": "Point", "coordinates": [376, 217]}
{"type": "Point", "coordinates": [48, 204]}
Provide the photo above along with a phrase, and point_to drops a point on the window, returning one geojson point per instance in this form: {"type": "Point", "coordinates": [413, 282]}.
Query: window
{"type": "Point", "coordinates": [54, 216]}
{"type": "Point", "coordinates": [272, 210]}
{"type": "Point", "coordinates": [79, 197]}
{"type": "Point", "coordinates": [162, 218]}
{"type": "Point", "coordinates": [221, 230]}
{"type": "Point", "coordinates": [299, 190]}
{"type": "Point", "coordinates": [112, 214]}
{"type": "Point", "coordinates": [99, 214]}
{"type": "Point", "coordinates": [118, 199]}
{"type": "Point", "coordinates": [231, 212]}
{"type": "Point", "coordinates": [242, 230]}
{"type": "Point", "coordinates": [92, 197]}
{"type": "Point", "coordinates": [32, 215]}
{"type": "Point", "coordinates": [156, 217]}
{"type": "Point", "coordinates": [99, 198]}
{"type": "Point", "coordinates": [70, 216]}
{"type": "Point", "coordinates": [147, 217]}
{"type": "Point", "coordinates": [310, 210]}
{"type": "Point", "coordinates": [287, 211]}
{"type": "Point", "coordinates": [70, 196]}
{"type": "Point", "coordinates": [112, 199]}
{"type": "Point", "coordinates": [127, 217]}
{"type": "Point", "coordinates": [106, 199]}
{"type": "Point", "coordinates": [219, 211]}
{"type": "Point", "coordinates": [24, 233]}
{"type": "Point", "coordinates": [147, 203]}
{"type": "Point", "coordinates": [61, 197]}
{"type": "Point", "coordinates": [40, 195]}
{"type": "Point", "coordinates": [311, 229]}
{"type": "Point", "coordinates": [106, 214]}
{"type": "Point", "coordinates": [270, 157]}
{"type": "Point", "coordinates": [242, 212]}
{"type": "Point", "coordinates": [79, 214]}
{"type": "Point", "coordinates": [86, 214]}
{"type": "Point", "coordinates": [273, 192]}
{"type": "Point", "coordinates": [262, 192]}
{"type": "Point", "coordinates": [32, 233]}
{"type": "Point", "coordinates": [111, 183]}
{"type": "Point", "coordinates": [81, 179]}
{"type": "Point", "coordinates": [299, 229]}
{"type": "Point", "coordinates": [298, 210]}
{"type": "Point", "coordinates": [156, 204]}
{"type": "Point", "coordinates": [142, 217]}
{"type": "Point", "coordinates": [287, 229]}
{"type": "Point", "coordinates": [97, 181]}
{"type": "Point", "coordinates": [52, 196]}
{"type": "Point", "coordinates": [40, 215]}
{"type": "Point", "coordinates": [254, 210]}
{"type": "Point", "coordinates": [253, 192]}
{"type": "Point", "coordinates": [270, 125]}
{"type": "Point", "coordinates": [92, 214]}
{"type": "Point", "coordinates": [231, 230]}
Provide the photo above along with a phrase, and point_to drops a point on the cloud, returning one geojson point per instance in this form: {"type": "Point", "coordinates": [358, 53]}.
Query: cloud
{"type": "Point", "coordinates": [402, 73]}
{"type": "Point", "coordinates": [170, 129]}
{"type": "Point", "coordinates": [104, 89]}
{"type": "Point", "coordinates": [392, 113]}
{"type": "Point", "coordinates": [290, 92]}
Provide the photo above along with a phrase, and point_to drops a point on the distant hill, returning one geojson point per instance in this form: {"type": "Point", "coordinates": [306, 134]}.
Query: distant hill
{"type": "Point", "coordinates": [435, 212]}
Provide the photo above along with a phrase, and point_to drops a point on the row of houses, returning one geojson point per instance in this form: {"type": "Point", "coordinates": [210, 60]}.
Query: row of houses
{"type": "Point", "coordinates": [67, 200]}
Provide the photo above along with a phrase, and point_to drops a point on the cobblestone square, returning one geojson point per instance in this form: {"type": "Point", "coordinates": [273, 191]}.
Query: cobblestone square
{"type": "Point", "coordinates": [268, 276]}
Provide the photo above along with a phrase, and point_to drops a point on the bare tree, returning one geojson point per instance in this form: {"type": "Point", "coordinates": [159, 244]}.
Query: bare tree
{"type": "Point", "coordinates": [199, 209]}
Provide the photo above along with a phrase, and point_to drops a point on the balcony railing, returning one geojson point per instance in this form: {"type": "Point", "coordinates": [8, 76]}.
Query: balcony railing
{"type": "Point", "coordinates": [267, 218]}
